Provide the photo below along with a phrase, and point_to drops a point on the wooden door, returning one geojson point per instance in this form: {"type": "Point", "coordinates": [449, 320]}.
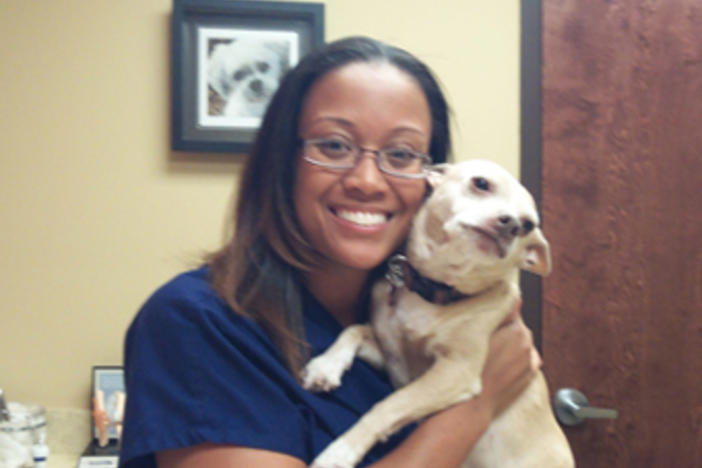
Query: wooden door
{"type": "Point", "coordinates": [620, 182]}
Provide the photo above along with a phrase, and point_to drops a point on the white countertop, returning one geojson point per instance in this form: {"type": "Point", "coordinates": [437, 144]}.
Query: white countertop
{"type": "Point", "coordinates": [62, 460]}
{"type": "Point", "coordinates": [67, 434]}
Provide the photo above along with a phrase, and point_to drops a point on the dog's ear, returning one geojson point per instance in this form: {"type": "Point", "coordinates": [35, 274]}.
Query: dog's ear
{"type": "Point", "coordinates": [536, 257]}
{"type": "Point", "coordinates": [436, 174]}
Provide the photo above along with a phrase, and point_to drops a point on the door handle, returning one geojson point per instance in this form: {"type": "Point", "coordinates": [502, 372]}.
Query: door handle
{"type": "Point", "coordinates": [572, 408]}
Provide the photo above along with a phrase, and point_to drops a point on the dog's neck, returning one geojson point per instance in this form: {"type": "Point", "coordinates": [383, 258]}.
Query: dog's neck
{"type": "Point", "coordinates": [401, 274]}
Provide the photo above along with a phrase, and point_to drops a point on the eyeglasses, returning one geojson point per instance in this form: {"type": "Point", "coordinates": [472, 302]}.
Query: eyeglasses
{"type": "Point", "coordinates": [340, 154]}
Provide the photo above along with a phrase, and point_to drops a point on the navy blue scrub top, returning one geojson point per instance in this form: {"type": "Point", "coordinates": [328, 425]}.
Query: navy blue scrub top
{"type": "Point", "coordinates": [197, 372]}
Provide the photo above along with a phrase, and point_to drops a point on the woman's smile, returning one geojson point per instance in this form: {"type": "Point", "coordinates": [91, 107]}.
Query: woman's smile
{"type": "Point", "coordinates": [362, 218]}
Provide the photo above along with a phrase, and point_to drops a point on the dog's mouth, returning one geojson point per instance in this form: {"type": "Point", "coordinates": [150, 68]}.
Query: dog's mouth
{"type": "Point", "coordinates": [490, 242]}
{"type": "Point", "coordinates": [257, 97]}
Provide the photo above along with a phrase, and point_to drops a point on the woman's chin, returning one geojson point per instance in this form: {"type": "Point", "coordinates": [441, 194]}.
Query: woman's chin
{"type": "Point", "coordinates": [363, 259]}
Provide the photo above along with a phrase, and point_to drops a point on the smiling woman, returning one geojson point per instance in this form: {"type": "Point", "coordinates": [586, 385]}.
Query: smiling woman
{"type": "Point", "coordinates": [212, 359]}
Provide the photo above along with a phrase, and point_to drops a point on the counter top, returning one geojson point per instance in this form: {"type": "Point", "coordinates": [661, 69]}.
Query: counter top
{"type": "Point", "coordinates": [62, 460]}
{"type": "Point", "coordinates": [67, 434]}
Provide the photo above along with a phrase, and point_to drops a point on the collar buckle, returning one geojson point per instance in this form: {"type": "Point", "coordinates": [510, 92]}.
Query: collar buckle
{"type": "Point", "coordinates": [397, 266]}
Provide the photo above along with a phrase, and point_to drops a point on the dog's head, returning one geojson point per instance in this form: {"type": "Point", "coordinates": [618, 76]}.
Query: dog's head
{"type": "Point", "coordinates": [248, 68]}
{"type": "Point", "coordinates": [478, 225]}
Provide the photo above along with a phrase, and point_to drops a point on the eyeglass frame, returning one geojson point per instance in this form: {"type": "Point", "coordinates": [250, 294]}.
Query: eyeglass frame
{"type": "Point", "coordinates": [359, 150]}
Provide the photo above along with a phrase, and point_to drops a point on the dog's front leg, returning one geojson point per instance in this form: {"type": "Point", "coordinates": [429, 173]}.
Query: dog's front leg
{"type": "Point", "coordinates": [436, 389]}
{"type": "Point", "coordinates": [323, 373]}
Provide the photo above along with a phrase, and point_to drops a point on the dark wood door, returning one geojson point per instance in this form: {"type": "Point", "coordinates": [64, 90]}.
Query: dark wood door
{"type": "Point", "coordinates": [620, 188]}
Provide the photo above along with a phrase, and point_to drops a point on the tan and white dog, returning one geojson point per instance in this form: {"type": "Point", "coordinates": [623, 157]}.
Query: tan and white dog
{"type": "Point", "coordinates": [433, 316]}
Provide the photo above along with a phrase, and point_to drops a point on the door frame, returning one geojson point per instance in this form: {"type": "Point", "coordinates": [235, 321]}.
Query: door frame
{"type": "Point", "coordinates": [530, 164]}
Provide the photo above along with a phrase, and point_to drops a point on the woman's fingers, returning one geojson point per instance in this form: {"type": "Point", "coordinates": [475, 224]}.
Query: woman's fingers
{"type": "Point", "coordinates": [511, 363]}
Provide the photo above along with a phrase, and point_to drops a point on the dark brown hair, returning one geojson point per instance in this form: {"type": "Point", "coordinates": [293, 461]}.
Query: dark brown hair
{"type": "Point", "coordinates": [258, 271]}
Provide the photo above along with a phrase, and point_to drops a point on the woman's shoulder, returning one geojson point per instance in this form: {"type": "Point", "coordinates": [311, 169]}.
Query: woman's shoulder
{"type": "Point", "coordinates": [194, 369]}
{"type": "Point", "coordinates": [189, 286]}
{"type": "Point", "coordinates": [187, 308]}
{"type": "Point", "coordinates": [183, 305]}
{"type": "Point", "coordinates": [189, 292]}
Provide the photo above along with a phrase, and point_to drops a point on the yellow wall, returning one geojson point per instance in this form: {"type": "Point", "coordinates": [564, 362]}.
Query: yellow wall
{"type": "Point", "coordinates": [96, 210]}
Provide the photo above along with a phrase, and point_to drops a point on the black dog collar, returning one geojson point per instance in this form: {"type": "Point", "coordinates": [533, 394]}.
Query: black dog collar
{"type": "Point", "coordinates": [400, 274]}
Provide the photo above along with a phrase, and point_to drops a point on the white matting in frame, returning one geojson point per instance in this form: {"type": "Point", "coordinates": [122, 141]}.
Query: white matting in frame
{"type": "Point", "coordinates": [238, 72]}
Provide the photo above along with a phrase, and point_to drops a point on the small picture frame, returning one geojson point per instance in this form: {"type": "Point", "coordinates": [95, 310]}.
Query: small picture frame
{"type": "Point", "coordinates": [228, 58]}
{"type": "Point", "coordinates": [108, 389]}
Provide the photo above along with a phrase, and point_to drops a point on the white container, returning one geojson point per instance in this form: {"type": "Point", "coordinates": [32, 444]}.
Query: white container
{"type": "Point", "coordinates": [25, 429]}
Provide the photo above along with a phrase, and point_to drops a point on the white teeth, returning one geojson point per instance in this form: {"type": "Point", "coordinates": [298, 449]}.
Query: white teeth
{"type": "Point", "coordinates": [362, 218]}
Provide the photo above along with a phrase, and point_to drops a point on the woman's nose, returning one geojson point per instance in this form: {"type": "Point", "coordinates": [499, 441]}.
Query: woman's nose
{"type": "Point", "coordinates": [366, 177]}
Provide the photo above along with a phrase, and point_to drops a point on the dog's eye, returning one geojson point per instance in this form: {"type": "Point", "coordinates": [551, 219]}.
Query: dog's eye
{"type": "Point", "coordinates": [262, 67]}
{"type": "Point", "coordinates": [241, 74]}
{"type": "Point", "coordinates": [481, 183]}
{"type": "Point", "coordinates": [527, 227]}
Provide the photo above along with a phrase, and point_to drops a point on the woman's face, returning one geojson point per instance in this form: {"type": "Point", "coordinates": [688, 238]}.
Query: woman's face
{"type": "Point", "coordinates": [357, 217]}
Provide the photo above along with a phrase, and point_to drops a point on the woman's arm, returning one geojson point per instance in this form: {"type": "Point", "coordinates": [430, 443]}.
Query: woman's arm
{"type": "Point", "coordinates": [230, 456]}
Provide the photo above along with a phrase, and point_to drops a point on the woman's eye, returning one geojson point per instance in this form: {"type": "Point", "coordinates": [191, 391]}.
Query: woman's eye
{"type": "Point", "coordinates": [335, 145]}
{"type": "Point", "coordinates": [400, 156]}
{"type": "Point", "coordinates": [333, 148]}
{"type": "Point", "coordinates": [400, 153]}
{"type": "Point", "coordinates": [481, 183]}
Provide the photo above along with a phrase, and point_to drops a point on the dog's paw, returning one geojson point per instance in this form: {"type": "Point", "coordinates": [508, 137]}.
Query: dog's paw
{"type": "Point", "coordinates": [472, 390]}
{"type": "Point", "coordinates": [323, 373]}
{"type": "Point", "coordinates": [338, 454]}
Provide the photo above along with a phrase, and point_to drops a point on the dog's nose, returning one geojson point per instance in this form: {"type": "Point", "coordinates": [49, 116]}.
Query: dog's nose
{"type": "Point", "coordinates": [507, 226]}
{"type": "Point", "coordinates": [256, 86]}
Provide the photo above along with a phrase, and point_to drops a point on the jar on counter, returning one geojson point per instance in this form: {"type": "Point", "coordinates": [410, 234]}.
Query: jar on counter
{"type": "Point", "coordinates": [23, 436]}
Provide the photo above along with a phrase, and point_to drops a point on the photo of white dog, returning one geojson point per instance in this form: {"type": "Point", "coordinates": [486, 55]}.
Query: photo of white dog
{"type": "Point", "coordinates": [244, 73]}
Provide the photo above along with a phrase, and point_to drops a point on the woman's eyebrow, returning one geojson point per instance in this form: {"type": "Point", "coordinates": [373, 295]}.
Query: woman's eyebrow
{"type": "Point", "coordinates": [349, 124]}
{"type": "Point", "coordinates": [339, 120]}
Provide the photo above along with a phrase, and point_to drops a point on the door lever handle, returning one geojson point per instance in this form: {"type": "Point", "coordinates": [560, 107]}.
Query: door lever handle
{"type": "Point", "coordinates": [572, 408]}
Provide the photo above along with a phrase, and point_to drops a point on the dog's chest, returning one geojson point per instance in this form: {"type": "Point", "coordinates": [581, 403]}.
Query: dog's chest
{"type": "Point", "coordinates": [404, 330]}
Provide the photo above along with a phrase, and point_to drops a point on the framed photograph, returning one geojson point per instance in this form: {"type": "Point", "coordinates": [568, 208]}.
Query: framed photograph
{"type": "Point", "coordinates": [108, 397]}
{"type": "Point", "coordinates": [228, 58]}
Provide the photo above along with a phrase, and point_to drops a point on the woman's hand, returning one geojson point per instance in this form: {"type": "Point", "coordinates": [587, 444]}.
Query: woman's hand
{"type": "Point", "coordinates": [512, 362]}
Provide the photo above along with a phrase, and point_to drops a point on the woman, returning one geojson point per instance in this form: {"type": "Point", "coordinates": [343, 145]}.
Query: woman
{"type": "Point", "coordinates": [334, 178]}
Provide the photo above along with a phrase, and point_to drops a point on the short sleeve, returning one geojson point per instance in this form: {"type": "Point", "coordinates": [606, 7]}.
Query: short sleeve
{"type": "Point", "coordinates": [196, 372]}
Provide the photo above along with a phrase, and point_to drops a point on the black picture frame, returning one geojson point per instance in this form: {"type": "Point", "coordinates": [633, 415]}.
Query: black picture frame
{"type": "Point", "coordinates": [202, 120]}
